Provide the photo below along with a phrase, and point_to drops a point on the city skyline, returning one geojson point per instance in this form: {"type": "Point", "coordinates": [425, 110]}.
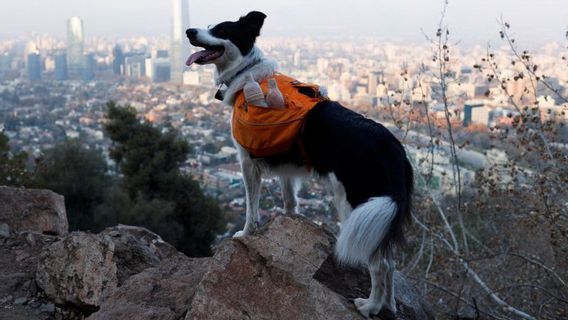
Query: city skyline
{"type": "Point", "coordinates": [535, 22]}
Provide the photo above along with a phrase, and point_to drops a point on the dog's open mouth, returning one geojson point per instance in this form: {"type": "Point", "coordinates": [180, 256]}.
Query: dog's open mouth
{"type": "Point", "coordinates": [205, 56]}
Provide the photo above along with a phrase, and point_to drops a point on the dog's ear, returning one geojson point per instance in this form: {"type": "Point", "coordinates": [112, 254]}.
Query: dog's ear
{"type": "Point", "coordinates": [253, 21]}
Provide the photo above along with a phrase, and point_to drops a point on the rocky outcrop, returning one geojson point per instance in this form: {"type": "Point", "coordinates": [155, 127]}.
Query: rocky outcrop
{"type": "Point", "coordinates": [136, 249]}
{"type": "Point", "coordinates": [162, 292]}
{"type": "Point", "coordinates": [78, 270]}
{"type": "Point", "coordinates": [270, 276]}
{"type": "Point", "coordinates": [41, 211]}
{"type": "Point", "coordinates": [19, 295]}
{"type": "Point", "coordinates": [284, 271]}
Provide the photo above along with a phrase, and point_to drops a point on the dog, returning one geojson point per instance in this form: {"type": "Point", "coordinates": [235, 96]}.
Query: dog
{"type": "Point", "coordinates": [364, 163]}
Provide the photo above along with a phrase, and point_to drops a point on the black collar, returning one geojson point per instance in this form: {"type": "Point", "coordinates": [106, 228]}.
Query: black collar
{"type": "Point", "coordinates": [219, 95]}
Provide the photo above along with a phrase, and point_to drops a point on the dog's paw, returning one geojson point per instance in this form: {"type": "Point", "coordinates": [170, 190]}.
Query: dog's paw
{"type": "Point", "coordinates": [391, 306]}
{"type": "Point", "coordinates": [244, 232]}
{"type": "Point", "coordinates": [240, 234]}
{"type": "Point", "coordinates": [367, 307]}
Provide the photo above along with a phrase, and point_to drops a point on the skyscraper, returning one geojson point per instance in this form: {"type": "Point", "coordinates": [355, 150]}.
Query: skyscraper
{"type": "Point", "coordinates": [4, 61]}
{"type": "Point", "coordinates": [89, 65]}
{"type": "Point", "coordinates": [75, 44]}
{"type": "Point", "coordinates": [61, 67]}
{"type": "Point", "coordinates": [179, 45]}
{"type": "Point", "coordinates": [135, 66]}
{"type": "Point", "coordinates": [372, 85]}
{"type": "Point", "coordinates": [161, 71]}
{"type": "Point", "coordinates": [158, 66]}
{"type": "Point", "coordinates": [118, 60]}
{"type": "Point", "coordinates": [34, 66]}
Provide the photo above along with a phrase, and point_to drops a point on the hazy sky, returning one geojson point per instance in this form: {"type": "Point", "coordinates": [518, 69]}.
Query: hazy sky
{"type": "Point", "coordinates": [533, 21]}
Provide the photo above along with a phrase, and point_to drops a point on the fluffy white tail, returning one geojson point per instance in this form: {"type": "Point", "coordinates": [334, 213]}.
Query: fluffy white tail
{"type": "Point", "coordinates": [364, 230]}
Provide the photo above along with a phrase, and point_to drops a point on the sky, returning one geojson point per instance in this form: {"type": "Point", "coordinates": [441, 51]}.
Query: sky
{"type": "Point", "coordinates": [470, 21]}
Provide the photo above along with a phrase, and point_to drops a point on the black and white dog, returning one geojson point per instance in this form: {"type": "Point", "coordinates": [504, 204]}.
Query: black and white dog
{"type": "Point", "coordinates": [364, 163]}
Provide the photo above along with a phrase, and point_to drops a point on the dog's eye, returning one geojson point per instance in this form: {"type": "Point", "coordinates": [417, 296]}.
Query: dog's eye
{"type": "Point", "coordinates": [221, 32]}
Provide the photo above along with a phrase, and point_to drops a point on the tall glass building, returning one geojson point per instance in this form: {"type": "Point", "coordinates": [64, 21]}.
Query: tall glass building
{"type": "Point", "coordinates": [179, 45]}
{"type": "Point", "coordinates": [75, 45]}
{"type": "Point", "coordinates": [89, 65]}
{"type": "Point", "coordinates": [34, 66]}
{"type": "Point", "coordinates": [118, 60]}
{"type": "Point", "coordinates": [61, 67]}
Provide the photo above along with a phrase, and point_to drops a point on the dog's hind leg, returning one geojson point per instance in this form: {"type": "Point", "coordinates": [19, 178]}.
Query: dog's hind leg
{"type": "Point", "coordinates": [382, 291]}
{"type": "Point", "coordinates": [252, 181]}
{"type": "Point", "coordinates": [289, 191]}
{"type": "Point", "coordinates": [389, 290]}
{"type": "Point", "coordinates": [376, 301]}
{"type": "Point", "coordinates": [359, 243]}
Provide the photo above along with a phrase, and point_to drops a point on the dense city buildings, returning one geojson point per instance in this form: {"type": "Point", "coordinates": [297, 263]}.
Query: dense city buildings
{"type": "Point", "coordinates": [42, 102]}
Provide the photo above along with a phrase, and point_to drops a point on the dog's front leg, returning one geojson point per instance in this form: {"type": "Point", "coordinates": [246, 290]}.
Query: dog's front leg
{"type": "Point", "coordinates": [252, 181]}
{"type": "Point", "coordinates": [289, 190]}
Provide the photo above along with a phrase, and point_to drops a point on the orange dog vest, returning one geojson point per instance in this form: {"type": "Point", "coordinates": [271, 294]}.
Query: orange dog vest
{"type": "Point", "coordinates": [268, 131]}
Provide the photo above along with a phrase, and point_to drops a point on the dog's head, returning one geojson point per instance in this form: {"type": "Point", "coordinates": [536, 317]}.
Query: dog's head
{"type": "Point", "coordinates": [227, 42]}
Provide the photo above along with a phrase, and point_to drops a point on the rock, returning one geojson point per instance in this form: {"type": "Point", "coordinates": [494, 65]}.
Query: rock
{"type": "Point", "coordinates": [286, 271]}
{"type": "Point", "coordinates": [163, 292]}
{"type": "Point", "coordinates": [18, 263]}
{"type": "Point", "coordinates": [6, 299]}
{"type": "Point", "coordinates": [78, 270]}
{"type": "Point", "coordinates": [294, 245]}
{"type": "Point", "coordinates": [14, 283]}
{"type": "Point", "coordinates": [22, 255]}
{"type": "Point", "coordinates": [20, 312]}
{"type": "Point", "coordinates": [35, 210]}
{"type": "Point", "coordinates": [241, 284]}
{"type": "Point", "coordinates": [154, 242]}
{"type": "Point", "coordinates": [135, 249]}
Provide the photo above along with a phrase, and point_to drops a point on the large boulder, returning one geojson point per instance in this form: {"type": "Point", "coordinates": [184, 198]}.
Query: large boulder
{"type": "Point", "coordinates": [81, 271]}
{"type": "Point", "coordinates": [34, 210]}
{"type": "Point", "coordinates": [286, 271]}
{"type": "Point", "coordinates": [78, 270]}
{"type": "Point", "coordinates": [242, 284]}
{"type": "Point", "coordinates": [162, 292]}
{"type": "Point", "coordinates": [135, 249]}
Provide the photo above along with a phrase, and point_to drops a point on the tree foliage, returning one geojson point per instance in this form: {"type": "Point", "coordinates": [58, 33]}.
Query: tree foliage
{"type": "Point", "coordinates": [12, 166]}
{"type": "Point", "coordinates": [80, 175]}
{"type": "Point", "coordinates": [162, 198]}
{"type": "Point", "coordinates": [147, 157]}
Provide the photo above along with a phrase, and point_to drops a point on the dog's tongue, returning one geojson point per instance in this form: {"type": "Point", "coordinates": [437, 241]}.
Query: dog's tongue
{"type": "Point", "coordinates": [196, 56]}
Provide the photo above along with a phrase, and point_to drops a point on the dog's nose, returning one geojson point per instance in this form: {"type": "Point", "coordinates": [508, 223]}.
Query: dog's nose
{"type": "Point", "coordinates": [191, 33]}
